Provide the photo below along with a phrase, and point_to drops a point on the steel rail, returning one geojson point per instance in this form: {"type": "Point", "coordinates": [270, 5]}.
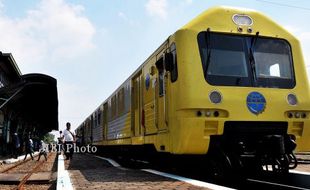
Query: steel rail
{"type": "Point", "coordinates": [25, 178]}
{"type": "Point", "coordinates": [18, 164]}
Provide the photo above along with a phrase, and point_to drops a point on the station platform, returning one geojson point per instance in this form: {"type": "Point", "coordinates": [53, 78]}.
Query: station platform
{"type": "Point", "coordinates": [92, 172]}
{"type": "Point", "coordinates": [304, 162]}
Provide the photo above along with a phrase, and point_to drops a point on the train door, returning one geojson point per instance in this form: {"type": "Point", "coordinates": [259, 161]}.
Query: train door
{"type": "Point", "coordinates": [105, 120]}
{"type": "Point", "coordinates": [136, 102]}
{"type": "Point", "coordinates": [161, 96]}
{"type": "Point", "coordinates": [149, 89]}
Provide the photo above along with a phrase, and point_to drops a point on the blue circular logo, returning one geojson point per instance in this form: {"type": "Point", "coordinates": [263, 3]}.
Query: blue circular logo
{"type": "Point", "coordinates": [147, 81]}
{"type": "Point", "coordinates": [256, 102]}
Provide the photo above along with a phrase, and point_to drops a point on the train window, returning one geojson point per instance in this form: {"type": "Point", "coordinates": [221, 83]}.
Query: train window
{"type": "Point", "coordinates": [94, 120]}
{"type": "Point", "coordinates": [113, 101]}
{"type": "Point", "coordinates": [99, 117]}
{"type": "Point", "coordinates": [273, 63]}
{"type": "Point", "coordinates": [127, 96]}
{"type": "Point", "coordinates": [136, 93]}
{"type": "Point", "coordinates": [161, 83]}
{"type": "Point", "coordinates": [109, 110]}
{"type": "Point", "coordinates": [121, 103]}
{"type": "Point", "coordinates": [234, 60]}
{"type": "Point", "coordinates": [174, 72]}
{"type": "Point", "coordinates": [160, 67]}
{"type": "Point", "coordinates": [233, 63]}
{"type": "Point", "coordinates": [268, 59]}
{"type": "Point", "coordinates": [224, 59]}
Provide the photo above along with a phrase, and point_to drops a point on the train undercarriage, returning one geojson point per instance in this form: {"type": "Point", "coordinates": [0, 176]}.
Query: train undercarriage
{"type": "Point", "coordinates": [252, 147]}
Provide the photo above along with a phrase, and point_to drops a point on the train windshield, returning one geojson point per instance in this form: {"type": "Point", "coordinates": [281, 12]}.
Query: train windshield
{"type": "Point", "coordinates": [231, 60]}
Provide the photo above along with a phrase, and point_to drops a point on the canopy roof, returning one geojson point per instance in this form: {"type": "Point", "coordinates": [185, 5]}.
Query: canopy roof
{"type": "Point", "coordinates": [31, 99]}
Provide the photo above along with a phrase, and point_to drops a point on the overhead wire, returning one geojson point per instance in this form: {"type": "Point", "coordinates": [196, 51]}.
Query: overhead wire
{"type": "Point", "coordinates": [284, 5]}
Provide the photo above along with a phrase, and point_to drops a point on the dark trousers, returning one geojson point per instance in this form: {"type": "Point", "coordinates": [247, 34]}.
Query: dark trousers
{"type": "Point", "coordinates": [28, 152]}
{"type": "Point", "coordinates": [69, 149]}
{"type": "Point", "coordinates": [15, 152]}
{"type": "Point", "coordinates": [42, 153]}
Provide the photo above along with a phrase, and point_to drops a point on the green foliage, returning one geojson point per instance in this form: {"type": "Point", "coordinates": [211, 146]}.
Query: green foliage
{"type": "Point", "coordinates": [49, 138]}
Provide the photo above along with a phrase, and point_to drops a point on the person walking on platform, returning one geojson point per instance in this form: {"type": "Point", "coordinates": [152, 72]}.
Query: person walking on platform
{"type": "Point", "coordinates": [42, 150]}
{"type": "Point", "coordinates": [60, 143]}
{"type": "Point", "coordinates": [29, 148]}
{"type": "Point", "coordinates": [16, 144]}
{"type": "Point", "coordinates": [69, 138]}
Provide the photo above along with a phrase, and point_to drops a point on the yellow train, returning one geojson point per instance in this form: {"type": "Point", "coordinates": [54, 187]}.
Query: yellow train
{"type": "Point", "coordinates": [231, 84]}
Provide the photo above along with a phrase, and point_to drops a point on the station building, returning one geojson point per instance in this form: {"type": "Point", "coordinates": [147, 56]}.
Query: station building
{"type": "Point", "coordinates": [28, 104]}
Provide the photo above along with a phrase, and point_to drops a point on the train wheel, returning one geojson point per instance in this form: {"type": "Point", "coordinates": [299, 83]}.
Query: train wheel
{"type": "Point", "coordinates": [215, 169]}
{"type": "Point", "coordinates": [292, 161]}
{"type": "Point", "coordinates": [219, 165]}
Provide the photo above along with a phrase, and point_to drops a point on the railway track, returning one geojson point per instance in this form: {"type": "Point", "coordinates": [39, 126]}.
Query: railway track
{"type": "Point", "coordinates": [26, 177]}
{"type": "Point", "coordinates": [28, 174]}
{"type": "Point", "coordinates": [17, 164]}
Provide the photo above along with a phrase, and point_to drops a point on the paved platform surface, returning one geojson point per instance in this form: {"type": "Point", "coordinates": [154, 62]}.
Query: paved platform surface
{"type": "Point", "coordinates": [304, 162]}
{"type": "Point", "coordinates": [303, 168]}
{"type": "Point", "coordinates": [88, 172]}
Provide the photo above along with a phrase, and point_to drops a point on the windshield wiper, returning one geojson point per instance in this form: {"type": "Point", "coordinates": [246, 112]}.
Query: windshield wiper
{"type": "Point", "coordinates": [252, 60]}
{"type": "Point", "coordinates": [206, 63]}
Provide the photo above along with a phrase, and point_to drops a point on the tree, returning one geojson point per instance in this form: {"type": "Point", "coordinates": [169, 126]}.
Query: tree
{"type": "Point", "coordinates": [49, 138]}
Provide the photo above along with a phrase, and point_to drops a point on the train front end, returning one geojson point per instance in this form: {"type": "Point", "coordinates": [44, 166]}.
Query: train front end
{"type": "Point", "coordinates": [244, 95]}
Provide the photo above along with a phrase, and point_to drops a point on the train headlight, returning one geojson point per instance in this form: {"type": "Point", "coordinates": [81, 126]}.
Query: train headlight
{"type": "Point", "coordinates": [208, 113]}
{"type": "Point", "coordinates": [297, 114]}
{"type": "Point", "coordinates": [215, 97]}
{"type": "Point", "coordinates": [290, 115]}
{"type": "Point", "coordinates": [292, 99]}
{"type": "Point", "coordinates": [242, 20]}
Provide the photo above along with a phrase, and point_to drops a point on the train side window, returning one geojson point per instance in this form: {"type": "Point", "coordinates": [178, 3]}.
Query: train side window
{"type": "Point", "coordinates": [109, 110]}
{"type": "Point", "coordinates": [94, 120]}
{"type": "Point", "coordinates": [123, 99]}
{"type": "Point", "coordinates": [161, 83]}
{"type": "Point", "coordinates": [99, 117]}
{"type": "Point", "coordinates": [135, 94]}
{"type": "Point", "coordinates": [160, 68]}
{"type": "Point", "coordinates": [127, 100]}
{"type": "Point", "coordinates": [113, 106]}
{"type": "Point", "coordinates": [120, 99]}
{"type": "Point", "coordinates": [174, 71]}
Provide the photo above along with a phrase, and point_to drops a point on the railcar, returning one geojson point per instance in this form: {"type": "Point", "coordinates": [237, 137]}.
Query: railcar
{"type": "Point", "coordinates": [230, 85]}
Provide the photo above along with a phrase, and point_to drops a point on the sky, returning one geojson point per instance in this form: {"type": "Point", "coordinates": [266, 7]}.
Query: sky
{"type": "Point", "coordinates": [91, 47]}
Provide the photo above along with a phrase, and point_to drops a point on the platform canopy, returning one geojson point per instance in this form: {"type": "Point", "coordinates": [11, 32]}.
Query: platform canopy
{"type": "Point", "coordinates": [29, 99]}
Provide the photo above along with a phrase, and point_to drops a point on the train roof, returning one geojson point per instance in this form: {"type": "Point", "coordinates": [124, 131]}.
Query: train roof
{"type": "Point", "coordinates": [220, 19]}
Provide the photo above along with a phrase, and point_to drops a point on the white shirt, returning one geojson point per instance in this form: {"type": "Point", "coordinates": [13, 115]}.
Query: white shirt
{"type": "Point", "coordinates": [68, 136]}
{"type": "Point", "coordinates": [43, 147]}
